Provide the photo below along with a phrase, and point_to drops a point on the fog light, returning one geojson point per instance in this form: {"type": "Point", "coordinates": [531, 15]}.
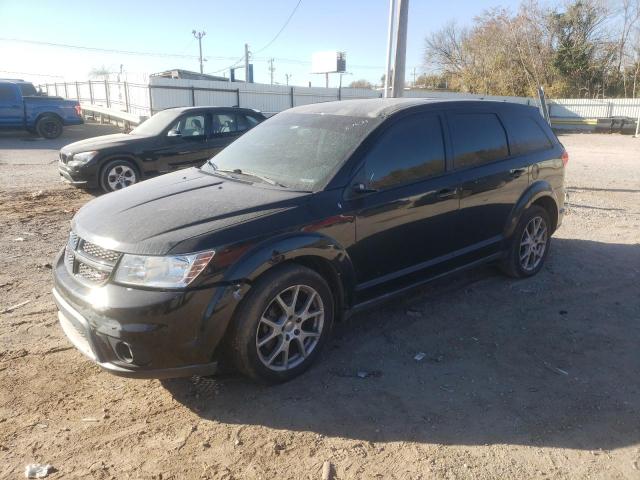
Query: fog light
{"type": "Point", "coordinates": [123, 350]}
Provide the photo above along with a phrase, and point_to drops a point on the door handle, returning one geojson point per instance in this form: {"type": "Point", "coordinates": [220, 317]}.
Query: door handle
{"type": "Point", "coordinates": [447, 193]}
{"type": "Point", "coordinates": [517, 172]}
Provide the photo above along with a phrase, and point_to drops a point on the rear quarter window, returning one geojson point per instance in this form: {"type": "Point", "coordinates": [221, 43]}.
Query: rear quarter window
{"type": "Point", "coordinates": [526, 135]}
{"type": "Point", "coordinates": [478, 138]}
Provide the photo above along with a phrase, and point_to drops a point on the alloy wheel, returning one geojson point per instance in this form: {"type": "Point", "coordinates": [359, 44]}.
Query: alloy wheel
{"type": "Point", "coordinates": [290, 328]}
{"type": "Point", "coordinates": [121, 176]}
{"type": "Point", "coordinates": [533, 244]}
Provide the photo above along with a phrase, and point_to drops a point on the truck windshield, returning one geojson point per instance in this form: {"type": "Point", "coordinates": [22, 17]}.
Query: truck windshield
{"type": "Point", "coordinates": [296, 150]}
{"type": "Point", "coordinates": [156, 124]}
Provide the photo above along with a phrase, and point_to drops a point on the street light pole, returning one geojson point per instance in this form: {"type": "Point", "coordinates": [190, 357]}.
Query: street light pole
{"type": "Point", "coordinates": [387, 82]}
{"type": "Point", "coordinates": [401, 48]}
{"type": "Point", "coordinates": [199, 36]}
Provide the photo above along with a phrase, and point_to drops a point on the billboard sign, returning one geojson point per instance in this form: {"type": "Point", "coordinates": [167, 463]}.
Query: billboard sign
{"type": "Point", "coordinates": [328, 62]}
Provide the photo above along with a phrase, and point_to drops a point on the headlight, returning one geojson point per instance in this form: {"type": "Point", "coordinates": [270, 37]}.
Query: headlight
{"type": "Point", "coordinates": [162, 272]}
{"type": "Point", "coordinates": [81, 158]}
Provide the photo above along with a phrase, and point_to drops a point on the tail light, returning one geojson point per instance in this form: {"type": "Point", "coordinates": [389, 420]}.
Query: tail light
{"type": "Point", "coordinates": [78, 110]}
{"type": "Point", "coordinates": [565, 158]}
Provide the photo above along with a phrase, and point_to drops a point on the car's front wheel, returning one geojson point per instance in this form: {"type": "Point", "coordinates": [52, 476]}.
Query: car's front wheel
{"type": "Point", "coordinates": [118, 174]}
{"type": "Point", "coordinates": [282, 324]}
{"type": "Point", "coordinates": [530, 244]}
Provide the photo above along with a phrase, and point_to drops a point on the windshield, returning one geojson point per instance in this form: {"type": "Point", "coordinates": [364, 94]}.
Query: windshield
{"type": "Point", "coordinates": [156, 124]}
{"type": "Point", "coordinates": [296, 150]}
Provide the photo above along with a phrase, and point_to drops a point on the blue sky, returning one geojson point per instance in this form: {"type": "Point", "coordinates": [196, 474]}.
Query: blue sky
{"type": "Point", "coordinates": [356, 26]}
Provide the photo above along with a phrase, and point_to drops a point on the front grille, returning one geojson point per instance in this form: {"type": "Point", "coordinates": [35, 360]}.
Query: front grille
{"type": "Point", "coordinates": [90, 274]}
{"type": "Point", "coordinates": [99, 253]}
{"type": "Point", "coordinates": [89, 263]}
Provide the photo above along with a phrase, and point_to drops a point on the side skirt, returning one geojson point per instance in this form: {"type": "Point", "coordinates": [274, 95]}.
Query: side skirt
{"type": "Point", "coordinates": [393, 293]}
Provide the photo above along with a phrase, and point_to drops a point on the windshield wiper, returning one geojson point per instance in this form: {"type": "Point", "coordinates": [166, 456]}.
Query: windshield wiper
{"type": "Point", "coordinates": [237, 171]}
{"type": "Point", "coordinates": [268, 180]}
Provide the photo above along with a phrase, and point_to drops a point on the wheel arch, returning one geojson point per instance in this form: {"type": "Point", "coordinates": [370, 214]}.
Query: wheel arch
{"type": "Point", "coordinates": [47, 114]}
{"type": "Point", "coordinates": [315, 251]}
{"type": "Point", "coordinates": [539, 193]}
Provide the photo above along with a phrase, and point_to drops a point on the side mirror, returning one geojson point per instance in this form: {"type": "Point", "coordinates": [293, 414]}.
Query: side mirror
{"type": "Point", "coordinates": [174, 133]}
{"type": "Point", "coordinates": [361, 188]}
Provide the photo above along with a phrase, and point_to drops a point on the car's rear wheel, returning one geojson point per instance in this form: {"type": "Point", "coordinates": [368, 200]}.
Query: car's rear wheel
{"type": "Point", "coordinates": [530, 244]}
{"type": "Point", "coordinates": [49, 126]}
{"type": "Point", "coordinates": [282, 324]}
{"type": "Point", "coordinates": [118, 174]}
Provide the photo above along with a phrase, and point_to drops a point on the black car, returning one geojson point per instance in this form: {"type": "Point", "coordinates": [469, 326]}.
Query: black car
{"type": "Point", "coordinates": [319, 211]}
{"type": "Point", "coordinates": [170, 140]}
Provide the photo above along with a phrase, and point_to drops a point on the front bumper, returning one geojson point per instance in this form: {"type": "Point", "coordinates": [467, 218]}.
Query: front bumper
{"type": "Point", "coordinates": [143, 333]}
{"type": "Point", "coordinates": [80, 334]}
{"type": "Point", "coordinates": [85, 176]}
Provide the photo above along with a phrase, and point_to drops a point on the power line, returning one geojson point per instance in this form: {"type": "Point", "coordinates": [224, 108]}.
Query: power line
{"type": "Point", "coordinates": [31, 74]}
{"type": "Point", "coordinates": [244, 57]}
{"type": "Point", "coordinates": [175, 55]}
{"type": "Point", "coordinates": [282, 29]}
{"type": "Point", "coordinates": [241, 59]}
{"type": "Point", "coordinates": [109, 50]}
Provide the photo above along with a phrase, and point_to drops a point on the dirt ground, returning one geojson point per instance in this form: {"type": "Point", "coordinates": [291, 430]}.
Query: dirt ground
{"type": "Point", "coordinates": [522, 379]}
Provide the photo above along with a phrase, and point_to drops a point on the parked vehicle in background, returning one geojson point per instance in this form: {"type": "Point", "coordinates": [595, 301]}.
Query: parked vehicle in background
{"type": "Point", "coordinates": [320, 210]}
{"type": "Point", "coordinates": [172, 139]}
{"type": "Point", "coordinates": [22, 107]}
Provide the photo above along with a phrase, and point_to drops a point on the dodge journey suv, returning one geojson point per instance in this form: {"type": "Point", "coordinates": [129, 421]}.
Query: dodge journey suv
{"type": "Point", "coordinates": [317, 212]}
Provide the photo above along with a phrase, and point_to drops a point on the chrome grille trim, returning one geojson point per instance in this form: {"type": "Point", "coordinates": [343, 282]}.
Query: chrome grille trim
{"type": "Point", "coordinates": [91, 274]}
{"type": "Point", "coordinates": [89, 263]}
{"type": "Point", "coordinates": [101, 254]}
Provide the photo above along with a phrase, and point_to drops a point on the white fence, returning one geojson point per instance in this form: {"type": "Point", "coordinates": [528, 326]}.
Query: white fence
{"type": "Point", "coordinates": [162, 93]}
{"type": "Point", "coordinates": [594, 108]}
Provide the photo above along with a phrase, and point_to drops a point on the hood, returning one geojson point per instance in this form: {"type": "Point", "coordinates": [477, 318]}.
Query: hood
{"type": "Point", "coordinates": [153, 216]}
{"type": "Point", "coordinates": [103, 141]}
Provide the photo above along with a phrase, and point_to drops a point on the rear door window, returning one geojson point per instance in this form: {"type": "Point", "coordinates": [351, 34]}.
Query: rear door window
{"type": "Point", "coordinates": [224, 123]}
{"type": "Point", "coordinates": [412, 149]}
{"type": "Point", "coordinates": [7, 94]}
{"type": "Point", "coordinates": [478, 138]}
{"type": "Point", "coordinates": [526, 135]}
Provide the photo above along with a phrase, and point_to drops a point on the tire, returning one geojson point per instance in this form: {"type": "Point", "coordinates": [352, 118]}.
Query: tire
{"type": "Point", "coordinates": [49, 126]}
{"type": "Point", "coordinates": [523, 259]}
{"type": "Point", "coordinates": [262, 326]}
{"type": "Point", "coordinates": [118, 174]}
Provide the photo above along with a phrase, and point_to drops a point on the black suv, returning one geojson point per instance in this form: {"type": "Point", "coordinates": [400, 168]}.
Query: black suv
{"type": "Point", "coordinates": [320, 210]}
{"type": "Point", "coordinates": [170, 140]}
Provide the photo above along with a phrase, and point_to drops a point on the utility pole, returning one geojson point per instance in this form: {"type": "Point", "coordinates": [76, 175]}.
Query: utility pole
{"type": "Point", "coordinates": [246, 62]}
{"type": "Point", "coordinates": [387, 81]}
{"type": "Point", "coordinates": [288, 76]}
{"type": "Point", "coordinates": [271, 69]}
{"type": "Point", "coordinates": [414, 77]}
{"type": "Point", "coordinates": [401, 47]}
{"type": "Point", "coordinates": [199, 36]}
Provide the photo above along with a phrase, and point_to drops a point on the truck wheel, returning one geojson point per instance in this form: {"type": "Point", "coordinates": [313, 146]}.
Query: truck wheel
{"type": "Point", "coordinates": [118, 174]}
{"type": "Point", "coordinates": [49, 126]}
{"type": "Point", "coordinates": [530, 244]}
{"type": "Point", "coordinates": [282, 324]}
